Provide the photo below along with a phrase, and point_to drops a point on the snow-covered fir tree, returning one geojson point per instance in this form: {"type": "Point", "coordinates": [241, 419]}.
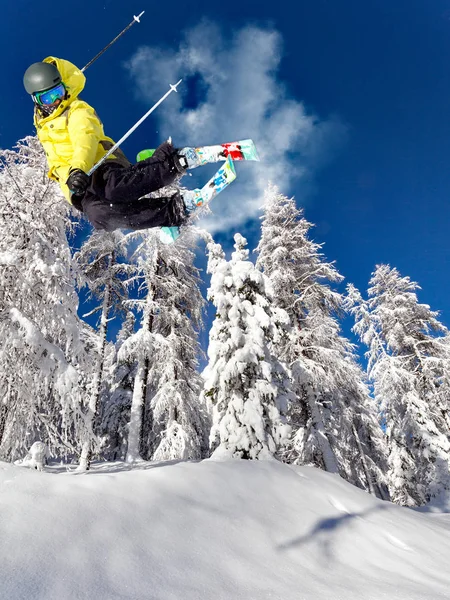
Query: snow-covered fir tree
{"type": "Point", "coordinates": [139, 348]}
{"type": "Point", "coordinates": [45, 349]}
{"type": "Point", "coordinates": [408, 364]}
{"type": "Point", "coordinates": [333, 418]}
{"type": "Point", "coordinates": [107, 278]}
{"type": "Point", "coordinates": [117, 395]}
{"type": "Point", "coordinates": [166, 419]}
{"type": "Point", "coordinates": [246, 384]}
{"type": "Point", "coordinates": [180, 420]}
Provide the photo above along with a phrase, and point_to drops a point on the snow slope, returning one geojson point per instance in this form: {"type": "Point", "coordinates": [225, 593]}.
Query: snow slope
{"type": "Point", "coordinates": [212, 530]}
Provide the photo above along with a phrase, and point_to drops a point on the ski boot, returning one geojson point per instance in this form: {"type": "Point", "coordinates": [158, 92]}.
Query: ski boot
{"type": "Point", "coordinates": [195, 199]}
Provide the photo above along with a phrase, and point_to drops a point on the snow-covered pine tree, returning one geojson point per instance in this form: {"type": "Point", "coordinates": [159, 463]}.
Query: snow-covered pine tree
{"type": "Point", "coordinates": [116, 401]}
{"type": "Point", "coordinates": [167, 421]}
{"type": "Point", "coordinates": [180, 421]}
{"type": "Point", "coordinates": [408, 364]}
{"type": "Point", "coordinates": [246, 384]}
{"type": "Point", "coordinates": [107, 278]}
{"type": "Point", "coordinates": [140, 346]}
{"type": "Point", "coordinates": [44, 362]}
{"type": "Point", "coordinates": [333, 419]}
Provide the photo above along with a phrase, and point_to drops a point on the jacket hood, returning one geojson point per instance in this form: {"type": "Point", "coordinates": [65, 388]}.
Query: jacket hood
{"type": "Point", "coordinates": [73, 79]}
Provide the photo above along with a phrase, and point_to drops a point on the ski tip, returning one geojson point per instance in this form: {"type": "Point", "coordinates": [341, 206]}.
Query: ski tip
{"type": "Point", "coordinates": [230, 169]}
{"type": "Point", "coordinates": [248, 149]}
{"type": "Point", "coordinates": [251, 151]}
{"type": "Point", "coordinates": [229, 162]}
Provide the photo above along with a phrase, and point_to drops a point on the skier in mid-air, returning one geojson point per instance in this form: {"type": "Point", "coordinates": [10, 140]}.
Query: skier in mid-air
{"type": "Point", "coordinates": [112, 197]}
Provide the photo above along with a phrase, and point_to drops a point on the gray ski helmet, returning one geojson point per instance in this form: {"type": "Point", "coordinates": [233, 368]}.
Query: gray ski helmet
{"type": "Point", "coordinates": [41, 76]}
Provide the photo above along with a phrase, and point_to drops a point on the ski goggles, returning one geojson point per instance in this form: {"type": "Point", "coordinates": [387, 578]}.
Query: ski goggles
{"type": "Point", "coordinates": [50, 96]}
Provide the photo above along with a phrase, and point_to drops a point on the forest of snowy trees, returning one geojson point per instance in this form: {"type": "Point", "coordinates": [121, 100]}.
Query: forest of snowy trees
{"type": "Point", "coordinates": [281, 380]}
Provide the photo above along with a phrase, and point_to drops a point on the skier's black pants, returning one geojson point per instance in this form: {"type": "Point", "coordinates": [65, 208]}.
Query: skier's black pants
{"type": "Point", "coordinates": [112, 198]}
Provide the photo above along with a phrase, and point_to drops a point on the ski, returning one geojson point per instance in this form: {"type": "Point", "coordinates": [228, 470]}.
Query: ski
{"type": "Point", "coordinates": [218, 182]}
{"type": "Point", "coordinates": [199, 197]}
{"type": "Point", "coordinates": [196, 157]}
{"type": "Point", "coordinates": [242, 150]}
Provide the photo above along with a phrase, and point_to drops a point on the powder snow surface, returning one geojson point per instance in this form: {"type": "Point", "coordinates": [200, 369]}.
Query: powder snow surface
{"type": "Point", "coordinates": [212, 530]}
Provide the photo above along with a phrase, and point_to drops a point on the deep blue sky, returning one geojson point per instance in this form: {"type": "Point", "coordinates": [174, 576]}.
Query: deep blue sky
{"type": "Point", "coordinates": [382, 67]}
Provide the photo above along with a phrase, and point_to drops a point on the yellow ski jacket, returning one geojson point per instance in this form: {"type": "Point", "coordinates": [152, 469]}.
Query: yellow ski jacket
{"type": "Point", "coordinates": [72, 136]}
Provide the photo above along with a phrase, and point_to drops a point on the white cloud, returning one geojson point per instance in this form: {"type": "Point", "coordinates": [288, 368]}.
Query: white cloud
{"type": "Point", "coordinates": [243, 99]}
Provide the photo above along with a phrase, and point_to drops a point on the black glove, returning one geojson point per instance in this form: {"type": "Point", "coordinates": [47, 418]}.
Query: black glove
{"type": "Point", "coordinates": [78, 182]}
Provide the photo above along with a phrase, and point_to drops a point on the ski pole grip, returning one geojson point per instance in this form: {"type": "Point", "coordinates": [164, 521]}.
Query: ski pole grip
{"type": "Point", "coordinates": [135, 20]}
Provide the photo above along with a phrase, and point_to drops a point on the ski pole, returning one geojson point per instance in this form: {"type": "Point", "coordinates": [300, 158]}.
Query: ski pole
{"type": "Point", "coordinates": [135, 20]}
{"type": "Point", "coordinates": [173, 88]}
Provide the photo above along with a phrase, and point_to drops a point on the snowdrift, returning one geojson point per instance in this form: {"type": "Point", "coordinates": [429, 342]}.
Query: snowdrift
{"type": "Point", "coordinates": [212, 530]}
